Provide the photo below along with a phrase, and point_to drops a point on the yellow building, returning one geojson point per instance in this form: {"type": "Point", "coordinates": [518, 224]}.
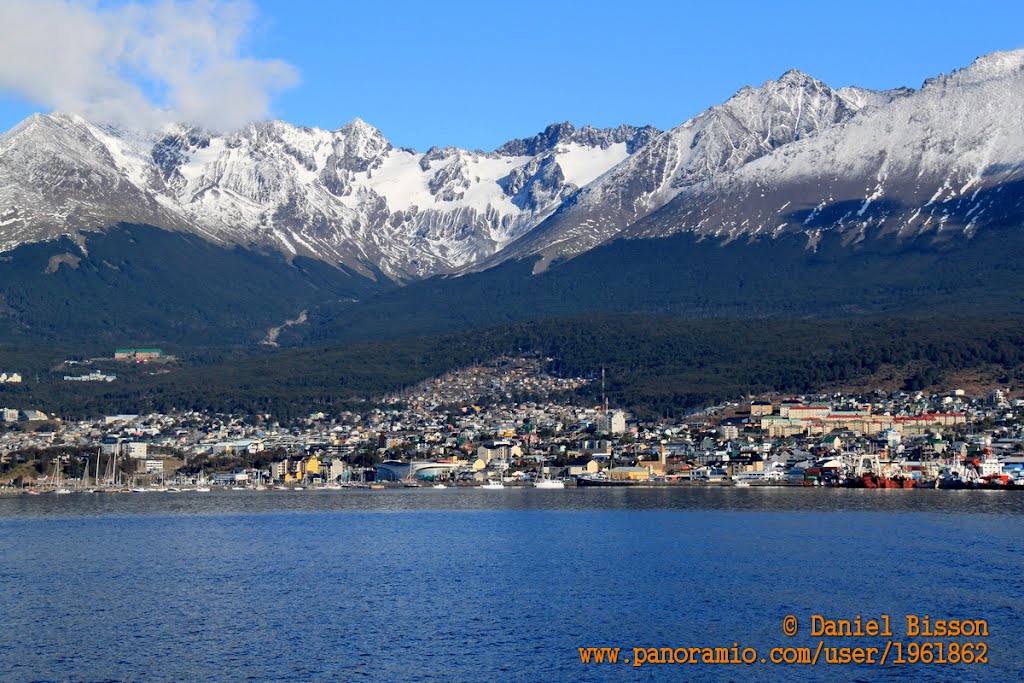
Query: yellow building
{"type": "Point", "coordinates": [630, 473]}
{"type": "Point", "coordinates": [656, 467]}
{"type": "Point", "coordinates": [311, 466]}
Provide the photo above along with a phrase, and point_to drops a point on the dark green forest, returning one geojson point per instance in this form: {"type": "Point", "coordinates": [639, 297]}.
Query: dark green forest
{"type": "Point", "coordinates": [141, 286]}
{"type": "Point", "coordinates": [677, 322]}
{"type": "Point", "coordinates": [656, 365]}
{"type": "Point", "coordinates": [689, 277]}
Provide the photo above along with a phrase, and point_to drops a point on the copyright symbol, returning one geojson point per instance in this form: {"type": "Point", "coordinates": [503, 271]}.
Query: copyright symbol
{"type": "Point", "coordinates": [789, 625]}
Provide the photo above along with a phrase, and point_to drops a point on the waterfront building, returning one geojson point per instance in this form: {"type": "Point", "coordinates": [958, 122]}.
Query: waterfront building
{"type": "Point", "coordinates": [398, 470]}
{"type": "Point", "coordinates": [278, 470]}
{"type": "Point", "coordinates": [629, 473]}
{"type": "Point", "coordinates": [339, 470]}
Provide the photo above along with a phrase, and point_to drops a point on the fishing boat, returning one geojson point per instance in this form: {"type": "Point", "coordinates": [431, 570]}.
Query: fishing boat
{"type": "Point", "coordinates": [492, 484]}
{"type": "Point", "coordinates": [958, 475]}
{"type": "Point", "coordinates": [549, 483]}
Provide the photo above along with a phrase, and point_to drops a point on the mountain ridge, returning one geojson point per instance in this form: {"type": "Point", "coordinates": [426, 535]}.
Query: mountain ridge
{"type": "Point", "coordinates": [346, 196]}
{"type": "Point", "coordinates": [920, 149]}
{"type": "Point", "coordinates": [776, 172]}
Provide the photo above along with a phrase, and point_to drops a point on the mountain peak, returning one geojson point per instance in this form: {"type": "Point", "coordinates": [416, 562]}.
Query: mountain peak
{"type": "Point", "coordinates": [795, 76]}
{"type": "Point", "coordinates": [357, 126]}
{"type": "Point", "coordinates": [39, 127]}
{"type": "Point", "coordinates": [995, 65]}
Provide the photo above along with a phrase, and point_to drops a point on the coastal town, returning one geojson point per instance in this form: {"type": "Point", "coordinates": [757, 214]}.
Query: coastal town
{"type": "Point", "coordinates": [509, 423]}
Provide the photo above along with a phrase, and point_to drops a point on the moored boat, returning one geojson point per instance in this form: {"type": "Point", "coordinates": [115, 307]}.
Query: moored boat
{"type": "Point", "coordinates": [602, 480]}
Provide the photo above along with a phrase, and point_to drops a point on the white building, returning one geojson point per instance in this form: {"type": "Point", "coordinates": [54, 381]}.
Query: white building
{"type": "Point", "coordinates": [239, 446]}
{"type": "Point", "coordinates": [152, 466]}
{"type": "Point", "coordinates": [135, 450]}
{"type": "Point", "coordinates": [504, 450]}
{"type": "Point", "coordinates": [891, 437]}
{"type": "Point", "coordinates": [339, 470]}
{"type": "Point", "coordinates": [129, 449]}
{"type": "Point", "coordinates": [94, 376]}
{"type": "Point", "coordinates": [111, 419]}
{"type": "Point", "coordinates": [278, 469]}
{"type": "Point", "coordinates": [613, 422]}
{"type": "Point", "coordinates": [731, 432]}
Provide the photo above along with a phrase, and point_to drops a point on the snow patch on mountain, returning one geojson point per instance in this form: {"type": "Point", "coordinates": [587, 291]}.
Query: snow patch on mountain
{"type": "Point", "coordinates": [582, 165]}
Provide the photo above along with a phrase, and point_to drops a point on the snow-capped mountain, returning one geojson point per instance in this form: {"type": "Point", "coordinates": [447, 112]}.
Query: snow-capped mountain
{"type": "Point", "coordinates": [791, 156]}
{"type": "Point", "coordinates": [346, 196]}
{"type": "Point", "coordinates": [752, 123]}
{"type": "Point", "coordinates": [797, 156]}
{"type": "Point", "coordinates": [941, 162]}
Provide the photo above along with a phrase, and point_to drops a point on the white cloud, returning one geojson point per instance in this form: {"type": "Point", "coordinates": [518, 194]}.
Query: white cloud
{"type": "Point", "coordinates": [138, 65]}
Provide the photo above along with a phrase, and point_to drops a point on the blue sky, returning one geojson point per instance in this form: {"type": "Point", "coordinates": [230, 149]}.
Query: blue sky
{"type": "Point", "coordinates": [475, 74]}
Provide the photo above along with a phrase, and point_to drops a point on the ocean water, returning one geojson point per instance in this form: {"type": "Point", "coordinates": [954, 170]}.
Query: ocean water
{"type": "Point", "coordinates": [467, 585]}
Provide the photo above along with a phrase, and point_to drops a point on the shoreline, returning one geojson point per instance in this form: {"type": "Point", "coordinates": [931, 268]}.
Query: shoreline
{"type": "Point", "coordinates": [390, 486]}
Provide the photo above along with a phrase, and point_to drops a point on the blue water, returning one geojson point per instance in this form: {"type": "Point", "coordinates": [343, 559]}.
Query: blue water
{"type": "Point", "coordinates": [424, 585]}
